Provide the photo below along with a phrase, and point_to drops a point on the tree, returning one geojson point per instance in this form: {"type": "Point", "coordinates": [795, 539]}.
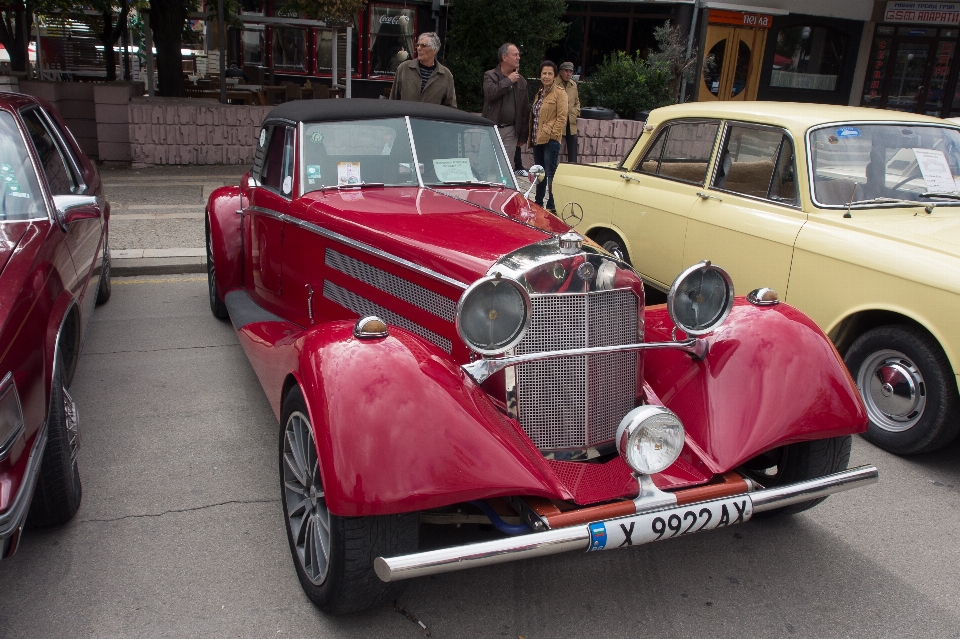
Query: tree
{"type": "Point", "coordinates": [672, 52]}
{"type": "Point", "coordinates": [167, 20]}
{"type": "Point", "coordinates": [12, 30]}
{"type": "Point", "coordinates": [481, 26]}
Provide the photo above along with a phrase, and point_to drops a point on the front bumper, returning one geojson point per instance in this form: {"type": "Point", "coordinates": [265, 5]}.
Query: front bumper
{"type": "Point", "coordinates": [633, 530]}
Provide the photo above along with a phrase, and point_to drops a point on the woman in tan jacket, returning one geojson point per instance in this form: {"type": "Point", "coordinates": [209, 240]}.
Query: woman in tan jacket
{"type": "Point", "coordinates": [548, 120]}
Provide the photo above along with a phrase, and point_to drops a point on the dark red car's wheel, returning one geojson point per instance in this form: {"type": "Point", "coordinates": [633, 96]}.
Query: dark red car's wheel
{"type": "Point", "coordinates": [217, 307]}
{"type": "Point", "coordinates": [333, 555]}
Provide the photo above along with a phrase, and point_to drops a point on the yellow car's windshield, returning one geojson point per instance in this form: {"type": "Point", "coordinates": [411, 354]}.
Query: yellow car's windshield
{"type": "Point", "coordinates": [869, 163]}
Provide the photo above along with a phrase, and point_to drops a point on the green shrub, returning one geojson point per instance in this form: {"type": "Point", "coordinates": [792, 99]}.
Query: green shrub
{"type": "Point", "coordinates": [628, 84]}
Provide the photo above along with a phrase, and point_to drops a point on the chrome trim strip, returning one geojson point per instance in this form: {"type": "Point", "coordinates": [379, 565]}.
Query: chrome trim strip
{"type": "Point", "coordinates": [81, 185]}
{"type": "Point", "coordinates": [413, 150]}
{"type": "Point", "coordinates": [577, 537]}
{"type": "Point", "coordinates": [508, 158]}
{"type": "Point", "coordinates": [366, 248]}
{"type": "Point", "coordinates": [414, 294]}
{"type": "Point", "coordinates": [35, 161]}
{"type": "Point", "coordinates": [362, 307]}
{"type": "Point", "coordinates": [482, 369]}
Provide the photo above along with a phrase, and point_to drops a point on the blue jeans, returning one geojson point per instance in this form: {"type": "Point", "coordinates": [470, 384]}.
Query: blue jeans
{"type": "Point", "coordinates": [548, 156]}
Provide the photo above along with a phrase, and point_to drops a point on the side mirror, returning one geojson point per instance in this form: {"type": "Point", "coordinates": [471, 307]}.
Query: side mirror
{"type": "Point", "coordinates": [536, 173]}
{"type": "Point", "coordinates": [71, 208]}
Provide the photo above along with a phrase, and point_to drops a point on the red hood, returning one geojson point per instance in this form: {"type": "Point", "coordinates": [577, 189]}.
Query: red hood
{"type": "Point", "coordinates": [455, 233]}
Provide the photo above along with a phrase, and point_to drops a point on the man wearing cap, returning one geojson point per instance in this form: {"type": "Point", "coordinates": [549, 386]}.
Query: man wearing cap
{"type": "Point", "coordinates": [505, 98]}
{"type": "Point", "coordinates": [573, 109]}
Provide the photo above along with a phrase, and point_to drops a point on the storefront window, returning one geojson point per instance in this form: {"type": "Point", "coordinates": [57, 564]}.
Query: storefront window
{"type": "Point", "coordinates": [325, 52]}
{"type": "Point", "coordinates": [808, 58]}
{"type": "Point", "coordinates": [251, 7]}
{"type": "Point", "coordinates": [392, 32]}
{"type": "Point", "coordinates": [253, 43]}
{"type": "Point", "coordinates": [607, 34]}
{"type": "Point", "coordinates": [877, 70]}
{"type": "Point", "coordinates": [289, 48]}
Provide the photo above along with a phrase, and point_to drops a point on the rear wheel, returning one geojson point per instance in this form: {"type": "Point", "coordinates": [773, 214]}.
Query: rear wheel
{"type": "Point", "coordinates": [104, 289]}
{"type": "Point", "coordinates": [333, 555]}
{"type": "Point", "coordinates": [908, 388]}
{"type": "Point", "coordinates": [798, 462]}
{"type": "Point", "coordinates": [56, 498]}
{"type": "Point", "coordinates": [611, 243]}
{"type": "Point", "coordinates": [217, 306]}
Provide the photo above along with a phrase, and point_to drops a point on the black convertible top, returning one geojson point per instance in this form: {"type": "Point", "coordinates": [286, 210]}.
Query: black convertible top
{"type": "Point", "coordinates": [332, 110]}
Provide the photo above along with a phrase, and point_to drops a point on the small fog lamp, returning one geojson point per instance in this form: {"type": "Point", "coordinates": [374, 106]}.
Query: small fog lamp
{"type": "Point", "coordinates": [650, 439]}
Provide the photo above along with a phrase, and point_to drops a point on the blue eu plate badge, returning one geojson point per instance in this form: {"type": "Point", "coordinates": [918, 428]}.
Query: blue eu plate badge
{"type": "Point", "coordinates": [598, 536]}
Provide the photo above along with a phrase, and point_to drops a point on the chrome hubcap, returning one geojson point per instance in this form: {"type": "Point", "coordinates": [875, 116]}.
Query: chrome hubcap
{"type": "Point", "coordinates": [307, 516]}
{"type": "Point", "coordinates": [72, 418]}
{"type": "Point", "coordinates": [614, 249]}
{"type": "Point", "coordinates": [211, 275]}
{"type": "Point", "coordinates": [893, 390]}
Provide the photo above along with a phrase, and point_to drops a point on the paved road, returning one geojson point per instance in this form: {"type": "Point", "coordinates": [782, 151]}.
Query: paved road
{"type": "Point", "coordinates": [180, 533]}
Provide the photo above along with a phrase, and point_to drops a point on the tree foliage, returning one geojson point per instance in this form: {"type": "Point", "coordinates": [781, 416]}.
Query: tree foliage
{"type": "Point", "coordinates": [13, 29]}
{"type": "Point", "coordinates": [672, 52]}
{"type": "Point", "coordinates": [479, 27]}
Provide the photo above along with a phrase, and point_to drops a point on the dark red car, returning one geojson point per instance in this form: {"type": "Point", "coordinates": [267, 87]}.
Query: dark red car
{"type": "Point", "coordinates": [54, 267]}
{"type": "Point", "coordinates": [440, 351]}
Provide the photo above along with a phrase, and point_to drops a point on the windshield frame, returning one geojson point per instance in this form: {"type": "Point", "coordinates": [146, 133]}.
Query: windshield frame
{"type": "Point", "coordinates": [808, 156]}
{"type": "Point", "coordinates": [301, 175]}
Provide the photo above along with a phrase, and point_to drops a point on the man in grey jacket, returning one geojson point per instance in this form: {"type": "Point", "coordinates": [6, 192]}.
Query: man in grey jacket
{"type": "Point", "coordinates": [505, 99]}
{"type": "Point", "coordinates": [424, 79]}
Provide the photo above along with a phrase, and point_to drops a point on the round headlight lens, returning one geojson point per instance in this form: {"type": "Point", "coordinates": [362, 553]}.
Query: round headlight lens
{"type": "Point", "coordinates": [493, 315]}
{"type": "Point", "coordinates": [650, 439]}
{"type": "Point", "coordinates": [700, 299]}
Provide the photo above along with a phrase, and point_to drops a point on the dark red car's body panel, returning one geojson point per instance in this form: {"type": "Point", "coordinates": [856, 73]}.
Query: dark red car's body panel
{"type": "Point", "coordinates": [49, 277]}
{"type": "Point", "coordinates": [400, 427]}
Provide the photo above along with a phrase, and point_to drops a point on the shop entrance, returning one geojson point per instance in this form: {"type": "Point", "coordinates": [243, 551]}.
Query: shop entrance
{"type": "Point", "coordinates": [733, 52]}
{"type": "Point", "coordinates": [911, 70]}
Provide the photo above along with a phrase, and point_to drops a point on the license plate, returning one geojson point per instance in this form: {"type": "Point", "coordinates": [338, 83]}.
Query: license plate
{"type": "Point", "coordinates": [666, 524]}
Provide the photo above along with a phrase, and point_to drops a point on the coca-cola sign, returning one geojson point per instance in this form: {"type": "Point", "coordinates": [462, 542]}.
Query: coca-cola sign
{"type": "Point", "coordinates": [389, 19]}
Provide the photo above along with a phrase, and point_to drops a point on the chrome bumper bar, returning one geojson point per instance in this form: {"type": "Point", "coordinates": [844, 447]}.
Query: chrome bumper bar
{"type": "Point", "coordinates": [579, 537]}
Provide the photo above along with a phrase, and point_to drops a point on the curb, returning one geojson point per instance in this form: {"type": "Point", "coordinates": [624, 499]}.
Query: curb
{"type": "Point", "coordinates": [125, 267]}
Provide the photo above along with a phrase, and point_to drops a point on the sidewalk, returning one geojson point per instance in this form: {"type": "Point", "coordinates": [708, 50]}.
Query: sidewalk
{"type": "Point", "coordinates": [156, 216]}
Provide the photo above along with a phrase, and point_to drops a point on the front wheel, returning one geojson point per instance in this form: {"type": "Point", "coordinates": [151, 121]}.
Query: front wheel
{"type": "Point", "coordinates": [798, 462]}
{"type": "Point", "coordinates": [56, 498]}
{"type": "Point", "coordinates": [104, 289]}
{"type": "Point", "coordinates": [611, 243]}
{"type": "Point", "coordinates": [333, 555]}
{"type": "Point", "coordinates": [908, 388]}
{"type": "Point", "coordinates": [217, 307]}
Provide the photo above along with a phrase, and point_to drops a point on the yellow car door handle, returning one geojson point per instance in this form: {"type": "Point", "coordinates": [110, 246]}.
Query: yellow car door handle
{"type": "Point", "coordinates": [707, 196]}
{"type": "Point", "coordinates": [629, 177]}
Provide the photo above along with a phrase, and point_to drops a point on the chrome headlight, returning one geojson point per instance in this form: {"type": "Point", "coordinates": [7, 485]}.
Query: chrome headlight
{"type": "Point", "coordinates": [700, 299]}
{"type": "Point", "coordinates": [493, 315]}
{"type": "Point", "coordinates": [650, 439]}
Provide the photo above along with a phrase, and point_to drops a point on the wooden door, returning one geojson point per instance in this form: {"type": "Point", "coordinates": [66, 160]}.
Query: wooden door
{"type": "Point", "coordinates": [731, 66]}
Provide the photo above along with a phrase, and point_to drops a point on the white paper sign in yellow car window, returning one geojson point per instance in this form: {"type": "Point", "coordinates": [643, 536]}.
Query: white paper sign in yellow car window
{"type": "Point", "coordinates": [348, 173]}
{"type": "Point", "coordinates": [935, 170]}
{"type": "Point", "coordinates": [454, 170]}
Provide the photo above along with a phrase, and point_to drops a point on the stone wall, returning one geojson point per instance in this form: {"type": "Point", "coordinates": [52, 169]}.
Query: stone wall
{"type": "Point", "coordinates": [598, 141]}
{"type": "Point", "coordinates": [192, 131]}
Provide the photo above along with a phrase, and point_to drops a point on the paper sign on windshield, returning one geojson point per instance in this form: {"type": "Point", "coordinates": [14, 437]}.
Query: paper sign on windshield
{"type": "Point", "coordinates": [454, 170]}
{"type": "Point", "coordinates": [348, 173]}
{"type": "Point", "coordinates": [935, 170]}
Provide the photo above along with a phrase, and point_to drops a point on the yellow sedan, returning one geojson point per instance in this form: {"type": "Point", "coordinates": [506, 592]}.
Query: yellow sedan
{"type": "Point", "coordinates": [852, 215]}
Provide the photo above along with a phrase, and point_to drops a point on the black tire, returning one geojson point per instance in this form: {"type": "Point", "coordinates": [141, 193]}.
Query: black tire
{"type": "Point", "coordinates": [908, 387]}
{"type": "Point", "coordinates": [798, 462]}
{"type": "Point", "coordinates": [217, 307]}
{"type": "Point", "coordinates": [105, 288]}
{"type": "Point", "coordinates": [342, 580]}
{"type": "Point", "coordinates": [611, 243]}
{"type": "Point", "coordinates": [56, 498]}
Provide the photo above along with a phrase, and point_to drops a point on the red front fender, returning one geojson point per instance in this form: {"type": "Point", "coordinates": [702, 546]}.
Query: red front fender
{"type": "Point", "coordinates": [400, 428]}
{"type": "Point", "coordinates": [771, 378]}
{"type": "Point", "coordinates": [226, 239]}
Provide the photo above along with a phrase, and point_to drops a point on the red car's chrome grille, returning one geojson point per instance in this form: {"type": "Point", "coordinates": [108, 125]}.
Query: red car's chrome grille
{"type": "Point", "coordinates": [577, 402]}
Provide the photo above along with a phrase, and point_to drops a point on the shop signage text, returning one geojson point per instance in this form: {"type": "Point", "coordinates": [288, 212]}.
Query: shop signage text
{"type": "Point", "coordinates": [922, 12]}
{"type": "Point", "coordinates": [753, 20]}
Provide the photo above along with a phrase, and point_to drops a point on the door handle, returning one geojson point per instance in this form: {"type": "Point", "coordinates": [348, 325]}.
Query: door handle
{"type": "Point", "coordinates": [707, 196]}
{"type": "Point", "coordinates": [629, 177]}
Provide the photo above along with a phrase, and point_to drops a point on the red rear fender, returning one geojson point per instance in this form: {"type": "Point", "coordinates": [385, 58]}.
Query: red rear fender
{"type": "Point", "coordinates": [771, 378]}
{"type": "Point", "coordinates": [400, 428]}
{"type": "Point", "coordinates": [226, 237]}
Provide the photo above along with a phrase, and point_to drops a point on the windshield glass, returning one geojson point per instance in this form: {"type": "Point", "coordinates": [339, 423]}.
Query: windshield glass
{"type": "Point", "coordinates": [900, 161]}
{"type": "Point", "coordinates": [20, 197]}
{"type": "Point", "coordinates": [451, 152]}
{"type": "Point", "coordinates": [378, 152]}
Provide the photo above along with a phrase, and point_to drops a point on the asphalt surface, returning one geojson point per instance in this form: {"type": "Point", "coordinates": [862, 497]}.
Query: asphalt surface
{"type": "Point", "coordinates": [180, 533]}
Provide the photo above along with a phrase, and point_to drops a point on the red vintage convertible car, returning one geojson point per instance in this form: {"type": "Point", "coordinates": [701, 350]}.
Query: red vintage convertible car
{"type": "Point", "coordinates": [54, 267]}
{"type": "Point", "coordinates": [440, 351]}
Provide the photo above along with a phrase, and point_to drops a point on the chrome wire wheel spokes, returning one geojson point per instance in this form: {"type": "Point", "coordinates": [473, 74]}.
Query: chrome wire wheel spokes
{"type": "Point", "coordinates": [893, 390]}
{"type": "Point", "coordinates": [307, 516]}
{"type": "Point", "coordinates": [211, 273]}
{"type": "Point", "coordinates": [72, 424]}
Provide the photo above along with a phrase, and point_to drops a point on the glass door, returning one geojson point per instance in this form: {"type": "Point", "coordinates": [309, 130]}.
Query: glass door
{"type": "Point", "coordinates": [906, 88]}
